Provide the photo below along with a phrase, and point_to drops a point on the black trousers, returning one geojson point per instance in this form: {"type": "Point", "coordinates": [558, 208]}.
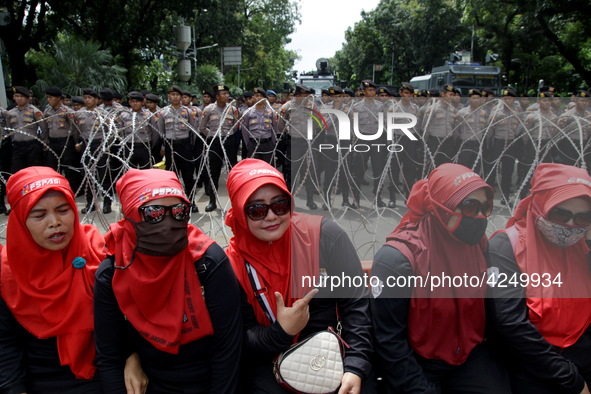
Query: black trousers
{"type": "Point", "coordinates": [442, 149]}
{"type": "Point", "coordinates": [62, 157]}
{"type": "Point", "coordinates": [216, 156]}
{"type": "Point", "coordinates": [302, 159]}
{"type": "Point", "coordinates": [280, 153]}
{"type": "Point", "coordinates": [569, 155]}
{"type": "Point", "coordinates": [26, 154]}
{"type": "Point", "coordinates": [469, 154]}
{"type": "Point", "coordinates": [502, 158]}
{"type": "Point", "coordinates": [377, 155]}
{"type": "Point", "coordinates": [528, 157]}
{"type": "Point", "coordinates": [407, 160]}
{"type": "Point", "coordinates": [99, 170]}
{"type": "Point", "coordinates": [481, 373]}
{"type": "Point", "coordinates": [262, 149]}
{"type": "Point", "coordinates": [199, 158]}
{"type": "Point", "coordinates": [331, 162]}
{"type": "Point", "coordinates": [179, 158]}
{"type": "Point", "coordinates": [138, 155]}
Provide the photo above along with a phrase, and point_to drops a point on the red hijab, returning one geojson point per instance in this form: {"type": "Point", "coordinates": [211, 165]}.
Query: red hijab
{"type": "Point", "coordinates": [45, 291]}
{"type": "Point", "coordinates": [561, 313]}
{"type": "Point", "coordinates": [273, 262]}
{"type": "Point", "coordinates": [154, 292]}
{"type": "Point", "coordinates": [424, 239]}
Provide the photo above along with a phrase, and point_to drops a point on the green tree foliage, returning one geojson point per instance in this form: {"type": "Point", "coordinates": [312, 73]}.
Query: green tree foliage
{"type": "Point", "coordinates": [140, 32]}
{"type": "Point", "coordinates": [268, 23]}
{"type": "Point", "coordinates": [73, 64]}
{"type": "Point", "coordinates": [23, 27]}
{"type": "Point", "coordinates": [419, 33]}
{"type": "Point", "coordinates": [549, 38]}
{"type": "Point", "coordinates": [208, 76]}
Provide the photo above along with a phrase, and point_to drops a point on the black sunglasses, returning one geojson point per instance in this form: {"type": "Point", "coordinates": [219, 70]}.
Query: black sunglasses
{"type": "Point", "coordinates": [259, 211]}
{"type": "Point", "coordinates": [155, 213]}
{"type": "Point", "coordinates": [561, 215]}
{"type": "Point", "coordinates": [471, 206]}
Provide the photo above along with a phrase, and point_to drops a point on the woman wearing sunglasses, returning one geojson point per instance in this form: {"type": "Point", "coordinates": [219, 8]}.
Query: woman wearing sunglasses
{"type": "Point", "coordinates": [428, 296]}
{"type": "Point", "coordinates": [47, 275]}
{"type": "Point", "coordinates": [166, 291]}
{"type": "Point", "coordinates": [540, 311]}
{"type": "Point", "coordinates": [272, 249]}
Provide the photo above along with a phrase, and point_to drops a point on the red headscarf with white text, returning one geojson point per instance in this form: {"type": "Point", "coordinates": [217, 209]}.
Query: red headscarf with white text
{"type": "Point", "coordinates": [155, 293]}
{"type": "Point", "coordinates": [282, 263]}
{"type": "Point", "coordinates": [50, 292]}
{"type": "Point", "coordinates": [561, 313]}
{"type": "Point", "coordinates": [424, 239]}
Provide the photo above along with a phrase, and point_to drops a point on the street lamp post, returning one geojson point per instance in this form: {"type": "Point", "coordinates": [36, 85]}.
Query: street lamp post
{"type": "Point", "coordinates": [197, 49]}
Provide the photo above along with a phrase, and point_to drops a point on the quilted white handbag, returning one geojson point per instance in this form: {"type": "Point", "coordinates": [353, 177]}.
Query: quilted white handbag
{"type": "Point", "coordinates": [313, 365]}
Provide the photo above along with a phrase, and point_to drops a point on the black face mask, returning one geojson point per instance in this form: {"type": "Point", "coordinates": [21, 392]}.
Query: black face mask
{"type": "Point", "coordinates": [470, 230]}
{"type": "Point", "coordinates": [166, 238]}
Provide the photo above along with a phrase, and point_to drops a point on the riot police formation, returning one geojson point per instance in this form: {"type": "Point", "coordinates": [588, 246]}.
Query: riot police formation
{"type": "Point", "coordinates": [95, 142]}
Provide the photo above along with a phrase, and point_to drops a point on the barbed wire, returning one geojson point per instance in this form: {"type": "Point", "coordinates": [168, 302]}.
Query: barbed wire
{"type": "Point", "coordinates": [367, 223]}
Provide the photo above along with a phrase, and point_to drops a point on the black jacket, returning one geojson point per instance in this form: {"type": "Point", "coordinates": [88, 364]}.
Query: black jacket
{"type": "Point", "coordinates": [210, 364]}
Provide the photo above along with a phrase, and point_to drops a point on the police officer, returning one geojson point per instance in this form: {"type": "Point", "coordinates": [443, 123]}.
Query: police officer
{"type": "Point", "coordinates": [293, 121]}
{"type": "Point", "coordinates": [549, 91]}
{"type": "Point", "coordinates": [334, 160]}
{"type": "Point", "coordinates": [137, 134]}
{"type": "Point", "coordinates": [25, 118]}
{"type": "Point", "coordinates": [540, 130]}
{"type": "Point", "coordinates": [503, 124]}
{"type": "Point", "coordinates": [272, 97]}
{"type": "Point", "coordinates": [177, 124]}
{"type": "Point", "coordinates": [368, 111]}
{"type": "Point", "coordinates": [576, 125]}
{"type": "Point", "coordinates": [472, 124]}
{"type": "Point", "coordinates": [62, 137]}
{"type": "Point", "coordinates": [405, 159]}
{"type": "Point", "coordinates": [187, 98]}
{"type": "Point", "coordinates": [208, 98]}
{"type": "Point", "coordinates": [439, 125]}
{"type": "Point", "coordinates": [151, 103]}
{"type": "Point", "coordinates": [197, 142]}
{"type": "Point", "coordinates": [284, 96]}
{"type": "Point", "coordinates": [89, 123]}
{"type": "Point", "coordinates": [77, 102]}
{"type": "Point", "coordinates": [259, 129]}
{"type": "Point", "coordinates": [112, 109]}
{"type": "Point", "coordinates": [118, 98]}
{"type": "Point", "coordinates": [383, 92]}
{"type": "Point", "coordinates": [218, 125]}
{"type": "Point", "coordinates": [109, 104]}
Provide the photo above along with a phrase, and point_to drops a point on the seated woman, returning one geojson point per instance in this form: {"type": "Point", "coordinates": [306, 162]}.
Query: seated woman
{"type": "Point", "coordinates": [540, 312]}
{"type": "Point", "coordinates": [267, 233]}
{"type": "Point", "coordinates": [166, 291]}
{"type": "Point", "coordinates": [47, 277]}
{"type": "Point", "coordinates": [429, 327]}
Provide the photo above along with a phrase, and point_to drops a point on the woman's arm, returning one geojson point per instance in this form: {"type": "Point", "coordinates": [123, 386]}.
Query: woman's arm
{"type": "Point", "coordinates": [389, 311]}
{"type": "Point", "coordinates": [222, 299]}
{"type": "Point", "coordinates": [507, 314]}
{"type": "Point", "coordinates": [339, 256]}
{"type": "Point", "coordinates": [259, 338]}
{"type": "Point", "coordinates": [109, 331]}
